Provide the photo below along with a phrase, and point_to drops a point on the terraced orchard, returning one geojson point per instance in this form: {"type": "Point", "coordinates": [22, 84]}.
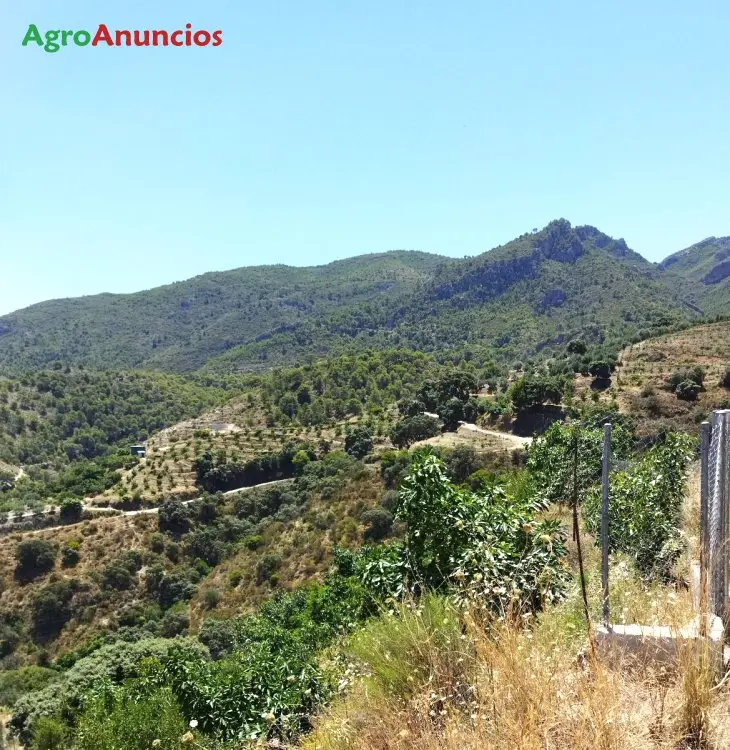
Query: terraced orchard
{"type": "Point", "coordinates": [233, 433]}
{"type": "Point", "coordinates": [674, 381]}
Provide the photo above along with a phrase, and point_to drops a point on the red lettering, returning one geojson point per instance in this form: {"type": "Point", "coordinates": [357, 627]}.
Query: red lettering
{"type": "Point", "coordinates": [175, 34]}
{"type": "Point", "coordinates": [157, 35]}
{"type": "Point", "coordinates": [124, 34]}
{"type": "Point", "coordinates": [205, 35]}
{"type": "Point", "coordinates": [102, 35]}
{"type": "Point", "coordinates": [217, 38]}
{"type": "Point", "coordinates": [188, 41]}
{"type": "Point", "coordinates": [140, 43]}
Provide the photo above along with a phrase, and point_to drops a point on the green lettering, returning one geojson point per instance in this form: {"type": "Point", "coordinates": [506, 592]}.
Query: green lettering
{"type": "Point", "coordinates": [82, 38]}
{"type": "Point", "coordinates": [51, 41]}
{"type": "Point", "coordinates": [32, 35]}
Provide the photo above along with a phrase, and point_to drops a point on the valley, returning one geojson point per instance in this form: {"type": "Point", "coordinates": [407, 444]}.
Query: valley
{"type": "Point", "coordinates": [331, 451]}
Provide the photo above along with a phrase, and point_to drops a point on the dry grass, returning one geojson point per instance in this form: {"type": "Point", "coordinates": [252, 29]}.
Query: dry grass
{"type": "Point", "coordinates": [436, 681]}
{"type": "Point", "coordinates": [433, 685]}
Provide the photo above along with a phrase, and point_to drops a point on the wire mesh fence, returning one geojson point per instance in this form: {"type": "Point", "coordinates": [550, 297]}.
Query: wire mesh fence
{"type": "Point", "coordinates": [714, 483]}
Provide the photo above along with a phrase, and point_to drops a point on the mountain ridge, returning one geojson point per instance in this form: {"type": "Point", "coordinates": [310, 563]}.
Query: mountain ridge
{"type": "Point", "coordinates": [515, 299]}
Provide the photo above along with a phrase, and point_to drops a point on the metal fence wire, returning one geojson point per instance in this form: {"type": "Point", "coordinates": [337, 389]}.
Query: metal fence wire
{"type": "Point", "coordinates": [718, 478]}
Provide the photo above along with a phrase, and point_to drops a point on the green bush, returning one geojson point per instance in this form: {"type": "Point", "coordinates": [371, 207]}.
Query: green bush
{"type": "Point", "coordinates": [34, 557]}
{"type": "Point", "coordinates": [687, 390]}
{"type": "Point", "coordinates": [379, 522]}
{"type": "Point", "coordinates": [157, 542]}
{"type": "Point", "coordinates": [725, 380]}
{"type": "Point", "coordinates": [646, 505]}
{"type": "Point", "coordinates": [51, 609]}
{"type": "Point", "coordinates": [116, 662]}
{"type": "Point", "coordinates": [253, 542]}
{"type": "Point", "coordinates": [485, 546]}
{"type": "Point", "coordinates": [551, 456]}
{"type": "Point", "coordinates": [71, 510]}
{"type": "Point", "coordinates": [359, 443]}
{"type": "Point", "coordinates": [413, 429]}
{"type": "Point", "coordinates": [70, 554]}
{"type": "Point", "coordinates": [211, 598]}
{"type": "Point", "coordinates": [267, 566]}
{"type": "Point", "coordinates": [694, 374]}
{"type": "Point", "coordinates": [175, 621]}
{"type": "Point", "coordinates": [49, 734]}
{"type": "Point", "coordinates": [15, 683]}
{"type": "Point", "coordinates": [174, 588]}
{"type": "Point", "coordinates": [132, 719]}
{"type": "Point", "coordinates": [534, 390]}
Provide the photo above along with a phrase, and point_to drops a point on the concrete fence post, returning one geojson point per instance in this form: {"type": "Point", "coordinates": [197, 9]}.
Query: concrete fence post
{"type": "Point", "coordinates": [605, 470]}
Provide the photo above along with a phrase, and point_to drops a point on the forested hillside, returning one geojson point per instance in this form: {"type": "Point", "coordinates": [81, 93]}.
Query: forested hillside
{"type": "Point", "coordinates": [70, 429]}
{"type": "Point", "coordinates": [539, 290]}
{"type": "Point", "coordinates": [705, 271]}
{"type": "Point", "coordinates": [181, 326]}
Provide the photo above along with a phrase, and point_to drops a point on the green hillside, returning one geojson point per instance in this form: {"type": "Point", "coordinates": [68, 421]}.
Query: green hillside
{"type": "Point", "coordinates": [180, 326]}
{"type": "Point", "coordinates": [705, 271]}
{"type": "Point", "coordinates": [70, 429]}
{"type": "Point", "coordinates": [536, 291]}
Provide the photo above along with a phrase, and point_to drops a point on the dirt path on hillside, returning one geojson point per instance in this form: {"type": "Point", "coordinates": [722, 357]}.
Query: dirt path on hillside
{"type": "Point", "coordinates": [516, 440]}
{"type": "Point", "coordinates": [114, 513]}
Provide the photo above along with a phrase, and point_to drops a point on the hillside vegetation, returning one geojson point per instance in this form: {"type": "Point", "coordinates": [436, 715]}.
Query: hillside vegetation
{"type": "Point", "coordinates": [652, 371]}
{"type": "Point", "coordinates": [70, 429]}
{"type": "Point", "coordinates": [539, 290]}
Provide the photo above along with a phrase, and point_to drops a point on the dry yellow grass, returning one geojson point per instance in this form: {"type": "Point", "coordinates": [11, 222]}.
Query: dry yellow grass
{"type": "Point", "coordinates": [509, 687]}
{"type": "Point", "coordinates": [431, 680]}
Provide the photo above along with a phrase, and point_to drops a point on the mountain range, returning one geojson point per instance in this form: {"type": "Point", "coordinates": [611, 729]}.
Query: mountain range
{"type": "Point", "coordinates": [535, 292]}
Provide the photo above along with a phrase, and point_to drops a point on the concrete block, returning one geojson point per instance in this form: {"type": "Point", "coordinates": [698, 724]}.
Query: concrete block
{"type": "Point", "coordinates": [662, 645]}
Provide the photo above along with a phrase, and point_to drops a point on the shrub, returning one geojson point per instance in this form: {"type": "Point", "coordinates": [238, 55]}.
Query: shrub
{"type": "Point", "coordinates": [725, 380]}
{"type": "Point", "coordinates": [49, 734]}
{"type": "Point", "coordinates": [253, 541]}
{"type": "Point", "coordinates": [694, 374]}
{"type": "Point", "coordinates": [34, 557]}
{"type": "Point", "coordinates": [174, 588]}
{"type": "Point", "coordinates": [234, 578]}
{"type": "Point", "coordinates": [574, 347]}
{"type": "Point", "coordinates": [687, 390]}
{"type": "Point", "coordinates": [600, 370]}
{"type": "Point", "coordinates": [645, 507]}
{"type": "Point", "coordinates": [175, 621]}
{"type": "Point", "coordinates": [174, 518]}
{"type": "Point", "coordinates": [17, 682]}
{"type": "Point", "coordinates": [70, 554]}
{"type": "Point", "coordinates": [121, 573]}
{"type": "Point", "coordinates": [51, 610]}
{"type": "Point", "coordinates": [534, 390]}
{"type": "Point", "coordinates": [266, 567]}
{"type": "Point", "coordinates": [115, 662]}
{"type": "Point", "coordinates": [211, 598]}
{"type": "Point", "coordinates": [133, 719]}
{"type": "Point", "coordinates": [379, 522]}
{"type": "Point", "coordinates": [490, 546]}
{"type": "Point", "coordinates": [205, 545]}
{"type": "Point", "coordinates": [359, 443]}
{"type": "Point", "coordinates": [157, 542]}
{"type": "Point", "coordinates": [462, 461]}
{"type": "Point", "coordinates": [413, 429]}
{"type": "Point", "coordinates": [550, 458]}
{"type": "Point", "coordinates": [71, 510]}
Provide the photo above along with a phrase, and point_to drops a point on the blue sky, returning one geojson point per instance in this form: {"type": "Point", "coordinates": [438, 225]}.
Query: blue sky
{"type": "Point", "coordinates": [325, 129]}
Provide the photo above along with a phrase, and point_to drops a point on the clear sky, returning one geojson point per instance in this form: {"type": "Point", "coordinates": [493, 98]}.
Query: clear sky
{"type": "Point", "coordinates": [325, 129]}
